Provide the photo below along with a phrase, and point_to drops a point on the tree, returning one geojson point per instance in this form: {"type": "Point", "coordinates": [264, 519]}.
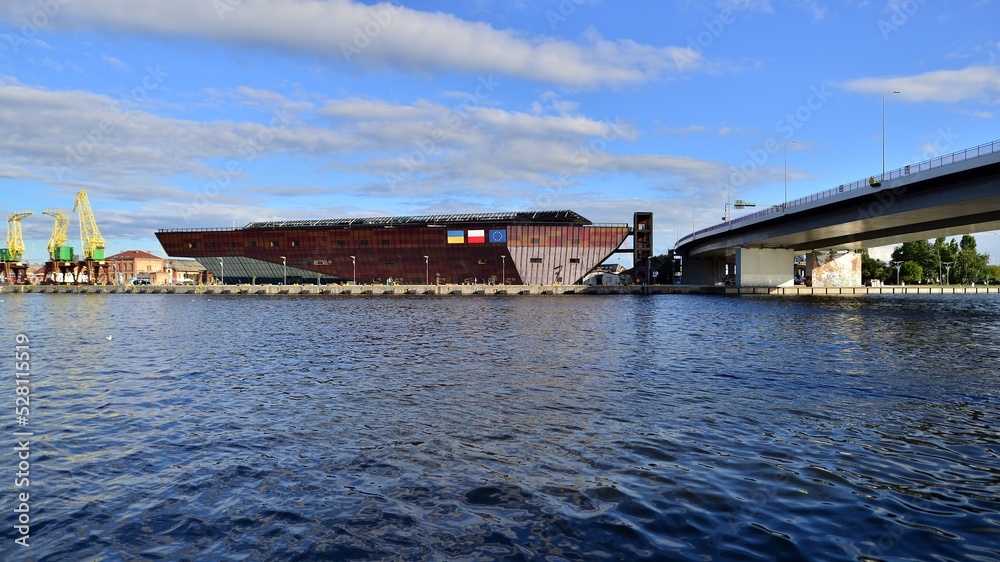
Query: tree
{"type": "Point", "coordinates": [967, 265]}
{"type": "Point", "coordinates": [970, 265]}
{"type": "Point", "coordinates": [992, 274]}
{"type": "Point", "coordinates": [872, 268]}
{"type": "Point", "coordinates": [946, 252]}
{"type": "Point", "coordinates": [920, 253]}
{"type": "Point", "coordinates": [911, 272]}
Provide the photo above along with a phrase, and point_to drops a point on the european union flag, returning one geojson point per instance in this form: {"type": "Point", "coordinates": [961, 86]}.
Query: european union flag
{"type": "Point", "coordinates": [498, 236]}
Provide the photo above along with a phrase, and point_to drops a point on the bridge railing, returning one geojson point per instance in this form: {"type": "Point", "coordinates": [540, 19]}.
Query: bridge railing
{"type": "Point", "coordinates": [948, 159]}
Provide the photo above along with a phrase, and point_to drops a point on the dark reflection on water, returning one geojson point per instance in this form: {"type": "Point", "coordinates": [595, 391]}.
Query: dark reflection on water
{"type": "Point", "coordinates": [235, 428]}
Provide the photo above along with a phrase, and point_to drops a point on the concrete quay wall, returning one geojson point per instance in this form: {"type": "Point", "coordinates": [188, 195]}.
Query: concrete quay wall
{"type": "Point", "coordinates": [494, 290]}
{"type": "Point", "coordinates": [346, 290]}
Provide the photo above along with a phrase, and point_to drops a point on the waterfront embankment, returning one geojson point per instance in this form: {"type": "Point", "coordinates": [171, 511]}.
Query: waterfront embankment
{"type": "Point", "coordinates": [496, 290]}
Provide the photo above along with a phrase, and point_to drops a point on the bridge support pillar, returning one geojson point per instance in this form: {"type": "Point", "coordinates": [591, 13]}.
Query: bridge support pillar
{"type": "Point", "coordinates": [834, 269]}
{"type": "Point", "coordinates": [765, 267]}
{"type": "Point", "coordinates": [703, 271]}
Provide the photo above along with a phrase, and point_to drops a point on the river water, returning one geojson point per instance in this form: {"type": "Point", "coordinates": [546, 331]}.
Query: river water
{"type": "Point", "coordinates": [507, 428]}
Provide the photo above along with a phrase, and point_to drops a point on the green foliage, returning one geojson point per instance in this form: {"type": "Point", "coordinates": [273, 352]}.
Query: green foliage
{"type": "Point", "coordinates": [967, 265]}
{"type": "Point", "coordinates": [872, 268]}
{"type": "Point", "coordinates": [992, 274]}
{"type": "Point", "coordinates": [970, 266]}
{"type": "Point", "coordinates": [911, 272]}
{"type": "Point", "coordinates": [918, 253]}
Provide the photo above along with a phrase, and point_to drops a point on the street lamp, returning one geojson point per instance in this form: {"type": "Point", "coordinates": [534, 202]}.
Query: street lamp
{"type": "Point", "coordinates": [427, 270]}
{"type": "Point", "coordinates": [883, 134]}
{"type": "Point", "coordinates": [223, 265]}
{"type": "Point", "coordinates": [898, 264]}
{"type": "Point", "coordinates": [354, 266]}
{"type": "Point", "coordinates": [786, 171]}
{"type": "Point", "coordinates": [947, 272]}
{"type": "Point", "coordinates": [284, 271]}
{"type": "Point", "coordinates": [503, 269]}
{"type": "Point", "coordinates": [939, 265]}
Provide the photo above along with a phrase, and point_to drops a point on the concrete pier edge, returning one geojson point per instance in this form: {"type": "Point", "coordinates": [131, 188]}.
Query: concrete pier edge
{"type": "Point", "coordinates": [493, 290]}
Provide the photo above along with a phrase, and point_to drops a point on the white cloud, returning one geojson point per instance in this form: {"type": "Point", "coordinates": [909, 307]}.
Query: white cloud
{"type": "Point", "coordinates": [74, 139]}
{"type": "Point", "coordinates": [115, 63]}
{"type": "Point", "coordinates": [940, 86]}
{"type": "Point", "coordinates": [745, 5]}
{"type": "Point", "coordinates": [379, 35]}
{"type": "Point", "coordinates": [685, 131]}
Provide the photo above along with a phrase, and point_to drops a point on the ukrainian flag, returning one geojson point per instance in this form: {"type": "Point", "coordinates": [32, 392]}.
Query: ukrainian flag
{"type": "Point", "coordinates": [456, 236]}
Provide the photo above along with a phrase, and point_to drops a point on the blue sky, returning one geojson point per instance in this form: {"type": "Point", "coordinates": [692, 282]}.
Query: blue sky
{"type": "Point", "coordinates": [206, 113]}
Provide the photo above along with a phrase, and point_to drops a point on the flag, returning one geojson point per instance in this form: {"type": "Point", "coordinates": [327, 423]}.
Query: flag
{"type": "Point", "coordinates": [498, 236]}
{"type": "Point", "coordinates": [456, 237]}
{"type": "Point", "coordinates": [477, 237]}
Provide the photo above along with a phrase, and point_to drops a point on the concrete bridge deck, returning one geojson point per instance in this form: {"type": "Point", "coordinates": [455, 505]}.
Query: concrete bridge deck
{"type": "Point", "coordinates": [951, 195]}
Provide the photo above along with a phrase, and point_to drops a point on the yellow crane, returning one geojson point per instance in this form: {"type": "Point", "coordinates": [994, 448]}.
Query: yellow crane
{"type": "Point", "coordinates": [15, 241]}
{"type": "Point", "coordinates": [93, 242]}
{"type": "Point", "coordinates": [58, 250]}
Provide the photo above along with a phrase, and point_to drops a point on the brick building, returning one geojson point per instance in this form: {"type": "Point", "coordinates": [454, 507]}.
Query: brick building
{"type": "Point", "coordinates": [130, 264]}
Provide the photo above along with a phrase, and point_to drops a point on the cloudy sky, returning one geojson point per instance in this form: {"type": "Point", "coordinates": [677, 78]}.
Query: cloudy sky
{"type": "Point", "coordinates": [209, 113]}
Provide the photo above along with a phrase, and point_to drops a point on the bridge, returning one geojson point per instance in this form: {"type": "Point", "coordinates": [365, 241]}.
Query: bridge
{"type": "Point", "coordinates": [951, 195]}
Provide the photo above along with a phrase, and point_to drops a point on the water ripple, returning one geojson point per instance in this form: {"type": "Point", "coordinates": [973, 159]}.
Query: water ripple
{"type": "Point", "coordinates": [574, 428]}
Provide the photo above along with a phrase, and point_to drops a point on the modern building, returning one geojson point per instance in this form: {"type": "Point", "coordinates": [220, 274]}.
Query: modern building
{"type": "Point", "coordinates": [542, 247]}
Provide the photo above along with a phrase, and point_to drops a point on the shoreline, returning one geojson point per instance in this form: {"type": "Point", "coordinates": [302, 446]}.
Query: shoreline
{"type": "Point", "coordinates": [493, 290]}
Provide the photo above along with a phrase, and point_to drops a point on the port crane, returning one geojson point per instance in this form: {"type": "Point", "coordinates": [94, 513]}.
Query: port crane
{"type": "Point", "coordinates": [93, 242]}
{"type": "Point", "coordinates": [60, 261]}
{"type": "Point", "coordinates": [14, 270]}
{"type": "Point", "coordinates": [58, 250]}
{"type": "Point", "coordinates": [15, 241]}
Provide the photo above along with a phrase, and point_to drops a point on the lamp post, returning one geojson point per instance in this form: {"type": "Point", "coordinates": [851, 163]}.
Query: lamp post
{"type": "Point", "coordinates": [883, 134]}
{"type": "Point", "coordinates": [786, 171]}
{"type": "Point", "coordinates": [729, 195]}
{"type": "Point", "coordinates": [503, 269]}
{"type": "Point", "coordinates": [427, 270]}
{"type": "Point", "coordinates": [947, 272]}
{"type": "Point", "coordinates": [939, 265]}
{"type": "Point", "coordinates": [898, 264]}
{"type": "Point", "coordinates": [284, 271]}
{"type": "Point", "coordinates": [223, 265]}
{"type": "Point", "coordinates": [354, 267]}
